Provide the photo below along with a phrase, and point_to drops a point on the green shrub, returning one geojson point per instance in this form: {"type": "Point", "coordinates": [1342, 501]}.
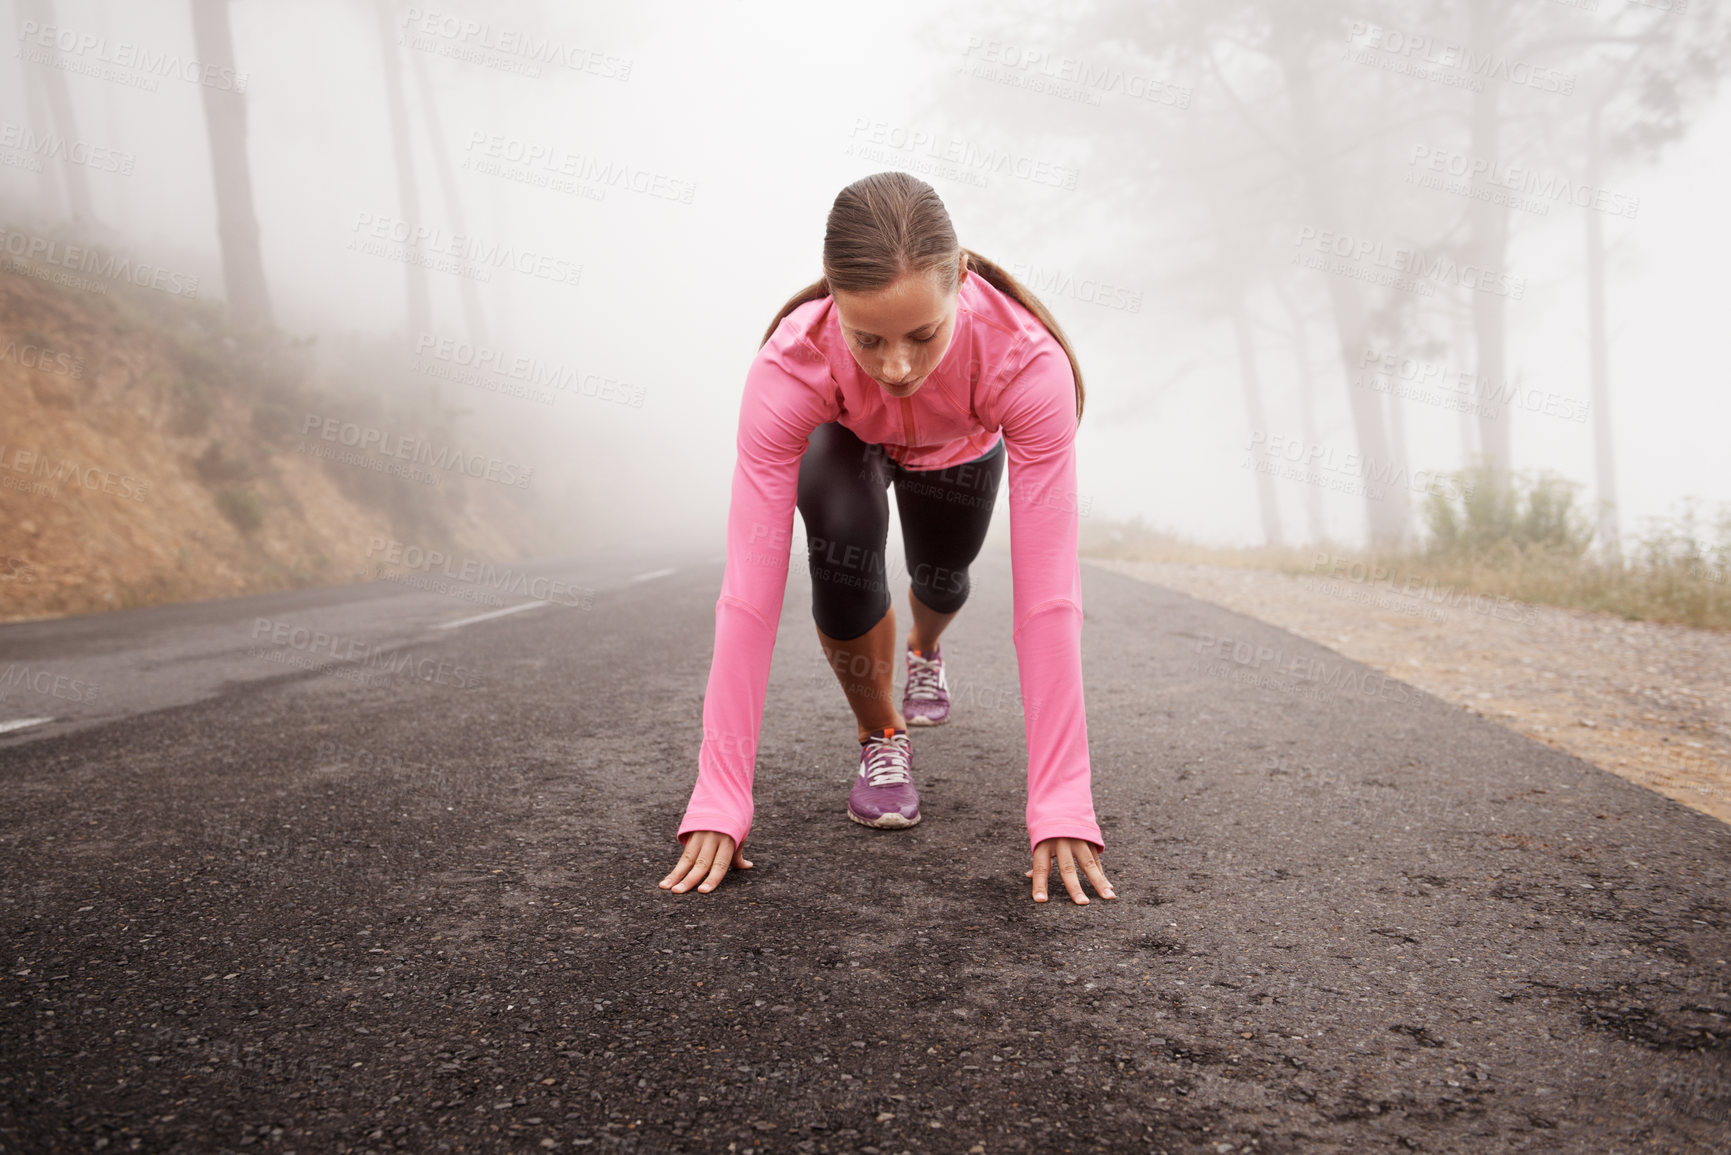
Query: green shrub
{"type": "Point", "coordinates": [214, 466]}
{"type": "Point", "coordinates": [242, 507]}
{"type": "Point", "coordinates": [1484, 511]}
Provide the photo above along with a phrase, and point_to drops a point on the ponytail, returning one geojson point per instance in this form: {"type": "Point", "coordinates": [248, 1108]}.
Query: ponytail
{"type": "Point", "coordinates": [818, 288]}
{"type": "Point", "coordinates": [1014, 289]}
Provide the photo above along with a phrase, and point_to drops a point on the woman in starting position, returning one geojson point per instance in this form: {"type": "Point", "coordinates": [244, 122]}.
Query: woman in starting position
{"type": "Point", "coordinates": [916, 362]}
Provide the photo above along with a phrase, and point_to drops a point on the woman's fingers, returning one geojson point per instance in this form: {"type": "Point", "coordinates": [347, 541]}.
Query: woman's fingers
{"type": "Point", "coordinates": [708, 856]}
{"type": "Point", "coordinates": [1096, 874]}
{"type": "Point", "coordinates": [699, 868]}
{"type": "Point", "coordinates": [1042, 870]}
{"type": "Point", "coordinates": [718, 870]}
{"type": "Point", "coordinates": [1067, 870]}
{"type": "Point", "coordinates": [717, 873]}
{"type": "Point", "coordinates": [679, 868]}
{"type": "Point", "coordinates": [707, 843]}
{"type": "Point", "coordinates": [1075, 857]}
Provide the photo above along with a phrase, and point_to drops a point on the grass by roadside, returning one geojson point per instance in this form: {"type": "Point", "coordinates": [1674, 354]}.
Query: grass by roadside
{"type": "Point", "coordinates": [1525, 539]}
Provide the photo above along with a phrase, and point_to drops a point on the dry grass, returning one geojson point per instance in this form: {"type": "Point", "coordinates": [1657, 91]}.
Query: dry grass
{"type": "Point", "coordinates": [1671, 576]}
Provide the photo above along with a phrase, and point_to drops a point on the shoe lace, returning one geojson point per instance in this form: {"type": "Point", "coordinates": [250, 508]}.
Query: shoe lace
{"type": "Point", "coordinates": [925, 677]}
{"type": "Point", "coordinates": [887, 762]}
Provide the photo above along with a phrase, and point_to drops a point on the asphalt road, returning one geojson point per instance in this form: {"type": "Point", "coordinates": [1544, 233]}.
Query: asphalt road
{"type": "Point", "coordinates": [375, 905]}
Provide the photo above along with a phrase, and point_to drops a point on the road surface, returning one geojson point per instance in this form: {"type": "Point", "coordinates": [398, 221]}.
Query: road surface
{"type": "Point", "coordinates": [402, 896]}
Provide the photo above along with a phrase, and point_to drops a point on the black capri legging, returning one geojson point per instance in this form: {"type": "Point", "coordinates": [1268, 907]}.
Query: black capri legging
{"type": "Point", "coordinates": [844, 502]}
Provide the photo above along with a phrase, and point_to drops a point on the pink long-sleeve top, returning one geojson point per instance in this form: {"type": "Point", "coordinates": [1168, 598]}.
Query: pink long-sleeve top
{"type": "Point", "coordinates": [1004, 374]}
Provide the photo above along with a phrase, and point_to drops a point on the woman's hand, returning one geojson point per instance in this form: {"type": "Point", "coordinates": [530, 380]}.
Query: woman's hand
{"type": "Point", "coordinates": [707, 853]}
{"type": "Point", "coordinates": [1068, 852]}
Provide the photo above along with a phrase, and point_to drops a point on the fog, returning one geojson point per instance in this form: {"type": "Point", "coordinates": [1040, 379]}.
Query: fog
{"type": "Point", "coordinates": [1178, 183]}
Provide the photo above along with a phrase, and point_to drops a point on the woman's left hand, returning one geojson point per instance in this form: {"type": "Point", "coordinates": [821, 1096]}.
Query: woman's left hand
{"type": "Point", "coordinates": [1068, 852]}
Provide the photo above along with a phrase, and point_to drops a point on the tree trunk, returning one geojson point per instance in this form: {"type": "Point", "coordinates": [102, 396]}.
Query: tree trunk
{"type": "Point", "coordinates": [1307, 409]}
{"type": "Point", "coordinates": [440, 148]}
{"type": "Point", "coordinates": [1469, 428]}
{"type": "Point", "coordinates": [55, 201]}
{"type": "Point", "coordinates": [408, 195]}
{"type": "Point", "coordinates": [1385, 521]}
{"type": "Point", "coordinates": [121, 205]}
{"type": "Point", "coordinates": [1604, 470]}
{"type": "Point", "coordinates": [1266, 498]}
{"type": "Point", "coordinates": [53, 88]}
{"type": "Point", "coordinates": [225, 122]}
{"type": "Point", "coordinates": [1489, 247]}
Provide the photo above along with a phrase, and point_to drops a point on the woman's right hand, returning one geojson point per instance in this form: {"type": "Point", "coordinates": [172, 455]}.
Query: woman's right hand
{"type": "Point", "coordinates": [708, 854]}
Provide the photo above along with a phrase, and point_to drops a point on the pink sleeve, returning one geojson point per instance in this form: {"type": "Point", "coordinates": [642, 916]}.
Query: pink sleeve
{"type": "Point", "coordinates": [1039, 423]}
{"type": "Point", "coordinates": [777, 413]}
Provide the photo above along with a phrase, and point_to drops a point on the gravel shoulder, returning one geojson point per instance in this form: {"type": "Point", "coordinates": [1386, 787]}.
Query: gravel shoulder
{"type": "Point", "coordinates": [1643, 700]}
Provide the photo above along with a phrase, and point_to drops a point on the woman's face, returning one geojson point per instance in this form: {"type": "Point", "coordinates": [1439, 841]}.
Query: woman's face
{"type": "Point", "coordinates": [898, 334]}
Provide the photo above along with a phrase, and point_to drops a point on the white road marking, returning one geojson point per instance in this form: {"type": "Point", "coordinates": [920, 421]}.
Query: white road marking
{"type": "Point", "coordinates": [494, 614]}
{"type": "Point", "coordinates": [22, 724]}
{"type": "Point", "coordinates": [653, 574]}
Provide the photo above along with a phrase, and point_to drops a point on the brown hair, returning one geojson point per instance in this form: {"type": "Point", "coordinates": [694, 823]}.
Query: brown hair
{"type": "Point", "coordinates": [886, 225]}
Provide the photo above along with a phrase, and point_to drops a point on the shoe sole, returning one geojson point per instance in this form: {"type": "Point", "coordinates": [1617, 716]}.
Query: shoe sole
{"type": "Point", "coordinates": [916, 720]}
{"type": "Point", "coordinates": [887, 822]}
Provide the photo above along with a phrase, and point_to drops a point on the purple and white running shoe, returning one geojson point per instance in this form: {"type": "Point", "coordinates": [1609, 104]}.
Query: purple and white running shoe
{"type": "Point", "coordinates": [926, 700]}
{"type": "Point", "coordinates": [883, 793]}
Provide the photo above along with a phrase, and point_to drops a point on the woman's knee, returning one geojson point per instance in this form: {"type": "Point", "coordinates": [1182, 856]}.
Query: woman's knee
{"type": "Point", "coordinates": [942, 589]}
{"type": "Point", "coordinates": [845, 615]}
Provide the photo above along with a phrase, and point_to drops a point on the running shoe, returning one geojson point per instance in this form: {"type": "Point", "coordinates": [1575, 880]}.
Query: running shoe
{"type": "Point", "coordinates": [926, 700]}
{"type": "Point", "coordinates": [883, 793]}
